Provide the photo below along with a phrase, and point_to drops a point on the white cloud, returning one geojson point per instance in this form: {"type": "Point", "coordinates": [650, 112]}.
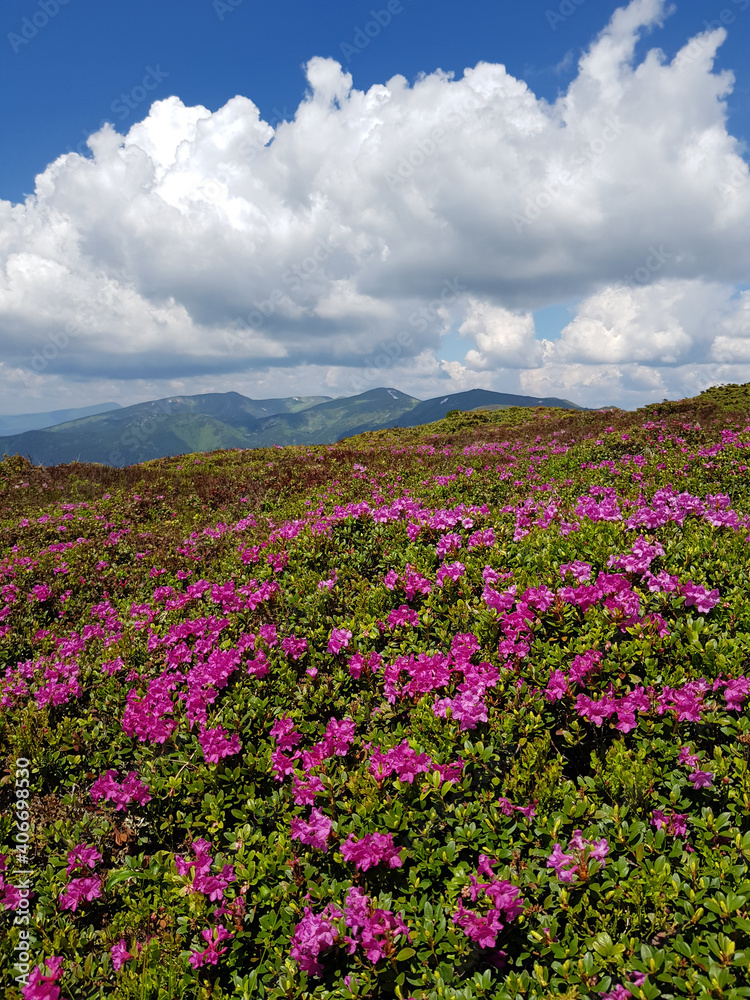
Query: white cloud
{"type": "Point", "coordinates": [328, 235]}
{"type": "Point", "coordinates": [503, 338]}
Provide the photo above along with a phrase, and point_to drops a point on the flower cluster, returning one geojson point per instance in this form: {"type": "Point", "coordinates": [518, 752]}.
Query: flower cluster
{"type": "Point", "coordinates": [371, 928]}
{"type": "Point", "coordinates": [315, 833]}
{"type": "Point", "coordinates": [576, 862]}
{"type": "Point", "coordinates": [212, 886]}
{"type": "Point", "coordinates": [41, 986]}
{"type": "Point", "coordinates": [132, 789]}
{"type": "Point", "coordinates": [507, 905]}
{"type": "Point", "coordinates": [217, 743]}
{"type": "Point", "coordinates": [212, 952]}
{"type": "Point", "coordinates": [372, 849]}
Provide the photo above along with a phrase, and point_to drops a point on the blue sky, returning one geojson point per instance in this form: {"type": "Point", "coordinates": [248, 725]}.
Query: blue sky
{"type": "Point", "coordinates": [68, 68]}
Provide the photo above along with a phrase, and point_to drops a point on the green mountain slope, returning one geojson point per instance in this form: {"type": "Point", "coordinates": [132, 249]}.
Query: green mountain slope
{"type": "Point", "coordinates": [181, 425]}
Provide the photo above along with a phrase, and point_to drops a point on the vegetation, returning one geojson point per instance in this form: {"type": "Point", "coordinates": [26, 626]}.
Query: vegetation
{"type": "Point", "coordinates": [454, 711]}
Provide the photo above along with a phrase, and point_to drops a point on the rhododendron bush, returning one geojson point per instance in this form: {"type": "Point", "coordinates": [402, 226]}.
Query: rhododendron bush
{"type": "Point", "coordinates": [458, 711]}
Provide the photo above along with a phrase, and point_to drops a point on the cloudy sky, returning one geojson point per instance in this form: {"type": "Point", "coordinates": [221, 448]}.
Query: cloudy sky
{"type": "Point", "coordinates": [205, 195]}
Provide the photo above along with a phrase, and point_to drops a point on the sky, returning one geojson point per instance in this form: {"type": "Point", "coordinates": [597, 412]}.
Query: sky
{"type": "Point", "coordinates": [285, 199]}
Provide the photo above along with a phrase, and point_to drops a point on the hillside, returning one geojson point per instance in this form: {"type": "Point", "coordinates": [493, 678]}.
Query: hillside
{"type": "Point", "coordinates": [18, 423]}
{"type": "Point", "coordinates": [183, 424]}
{"type": "Point", "coordinates": [445, 712]}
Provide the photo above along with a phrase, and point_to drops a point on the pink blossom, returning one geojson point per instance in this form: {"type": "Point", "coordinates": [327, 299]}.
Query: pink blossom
{"type": "Point", "coordinates": [485, 538]}
{"type": "Point", "coordinates": [506, 907]}
{"type": "Point", "coordinates": [294, 647]}
{"type": "Point", "coordinates": [304, 792]}
{"type": "Point", "coordinates": [686, 756]}
{"type": "Point", "coordinates": [558, 859]}
{"type": "Point", "coordinates": [217, 743]}
{"type": "Point", "coordinates": [338, 639]}
{"type": "Point", "coordinates": [315, 833]}
{"type": "Point", "coordinates": [701, 779]}
{"type": "Point", "coordinates": [82, 857]}
{"type": "Point", "coordinates": [284, 733]}
{"type": "Point", "coordinates": [676, 824]}
{"type": "Point", "coordinates": [281, 764]}
{"type": "Point", "coordinates": [371, 850]}
{"type": "Point", "coordinates": [132, 789]}
{"type": "Point", "coordinates": [447, 544]}
{"type": "Point", "coordinates": [79, 889]}
{"type": "Point", "coordinates": [120, 954]}
{"type": "Point", "coordinates": [268, 635]}
{"type": "Point", "coordinates": [703, 599]}
{"type": "Point", "coordinates": [557, 686]}
{"type": "Point", "coordinates": [735, 693]}
{"type": "Point", "coordinates": [450, 571]}
{"type": "Point", "coordinates": [211, 952]}
{"type": "Point", "coordinates": [313, 935]}
{"type": "Point", "coordinates": [41, 986]}
{"type": "Point", "coordinates": [404, 615]}
{"type": "Point", "coordinates": [41, 592]}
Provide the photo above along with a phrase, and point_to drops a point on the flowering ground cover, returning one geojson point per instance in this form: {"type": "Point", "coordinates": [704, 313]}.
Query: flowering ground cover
{"type": "Point", "coordinates": [459, 711]}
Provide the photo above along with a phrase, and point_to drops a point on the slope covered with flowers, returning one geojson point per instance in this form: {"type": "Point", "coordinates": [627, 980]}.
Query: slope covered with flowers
{"type": "Point", "coordinates": [453, 712]}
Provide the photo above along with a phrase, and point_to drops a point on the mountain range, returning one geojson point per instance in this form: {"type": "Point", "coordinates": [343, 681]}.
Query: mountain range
{"type": "Point", "coordinates": [177, 425]}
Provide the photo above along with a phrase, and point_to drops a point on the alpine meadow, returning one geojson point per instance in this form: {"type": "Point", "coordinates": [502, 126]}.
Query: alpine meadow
{"type": "Point", "coordinates": [451, 711]}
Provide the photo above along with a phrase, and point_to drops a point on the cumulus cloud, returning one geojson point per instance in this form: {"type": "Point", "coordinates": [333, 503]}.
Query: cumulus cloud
{"type": "Point", "coordinates": [503, 337]}
{"type": "Point", "coordinates": [211, 250]}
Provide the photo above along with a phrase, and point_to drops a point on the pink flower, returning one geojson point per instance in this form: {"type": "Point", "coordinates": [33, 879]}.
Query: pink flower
{"type": "Point", "coordinates": [736, 692]}
{"type": "Point", "coordinates": [212, 952]}
{"type": "Point", "coordinates": [507, 906]}
{"type": "Point", "coordinates": [676, 824]}
{"type": "Point", "coordinates": [687, 757]}
{"type": "Point", "coordinates": [268, 635]}
{"type": "Point", "coordinates": [40, 986]}
{"type": "Point", "coordinates": [79, 889]}
{"type": "Point", "coordinates": [701, 779]}
{"type": "Point", "coordinates": [81, 857]}
{"type": "Point", "coordinates": [294, 647]}
{"type": "Point", "coordinates": [371, 850]}
{"type": "Point", "coordinates": [284, 733]}
{"type": "Point", "coordinates": [404, 615]}
{"type": "Point", "coordinates": [557, 686]}
{"type": "Point", "coordinates": [41, 592]}
{"type": "Point", "coordinates": [315, 833]}
{"type": "Point", "coordinates": [313, 935]}
{"type": "Point", "coordinates": [305, 791]}
{"type": "Point", "coordinates": [703, 599]}
{"type": "Point", "coordinates": [132, 789]}
{"type": "Point", "coordinates": [217, 743]}
{"type": "Point", "coordinates": [450, 571]}
{"type": "Point", "coordinates": [558, 859]}
{"type": "Point", "coordinates": [407, 763]}
{"type": "Point", "coordinates": [338, 639]}
{"type": "Point", "coordinates": [120, 954]}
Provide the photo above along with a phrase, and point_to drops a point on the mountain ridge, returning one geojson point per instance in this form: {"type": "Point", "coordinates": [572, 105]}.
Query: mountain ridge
{"type": "Point", "coordinates": [178, 425]}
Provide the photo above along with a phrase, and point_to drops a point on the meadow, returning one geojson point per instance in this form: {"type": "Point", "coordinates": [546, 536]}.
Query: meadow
{"type": "Point", "coordinates": [449, 712]}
